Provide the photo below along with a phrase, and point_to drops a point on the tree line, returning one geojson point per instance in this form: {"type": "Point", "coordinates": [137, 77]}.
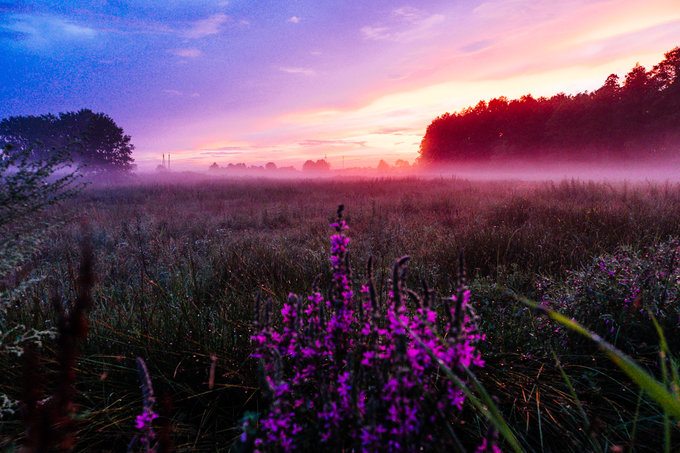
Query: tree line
{"type": "Point", "coordinates": [637, 118]}
{"type": "Point", "coordinates": [91, 140]}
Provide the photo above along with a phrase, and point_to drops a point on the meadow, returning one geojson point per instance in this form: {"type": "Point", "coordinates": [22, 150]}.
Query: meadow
{"type": "Point", "coordinates": [179, 266]}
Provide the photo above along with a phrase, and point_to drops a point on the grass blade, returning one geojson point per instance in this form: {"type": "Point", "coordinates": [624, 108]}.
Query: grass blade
{"type": "Point", "coordinates": [577, 400]}
{"type": "Point", "coordinates": [571, 389]}
{"type": "Point", "coordinates": [635, 422]}
{"type": "Point", "coordinates": [656, 390]}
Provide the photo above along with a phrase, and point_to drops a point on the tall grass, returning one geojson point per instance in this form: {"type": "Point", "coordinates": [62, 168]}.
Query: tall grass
{"type": "Point", "coordinates": [179, 267]}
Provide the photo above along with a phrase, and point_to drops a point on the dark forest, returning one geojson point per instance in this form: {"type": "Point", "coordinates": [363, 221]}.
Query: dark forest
{"type": "Point", "coordinates": [634, 119]}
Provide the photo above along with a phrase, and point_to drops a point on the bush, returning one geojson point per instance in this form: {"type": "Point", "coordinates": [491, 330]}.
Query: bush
{"type": "Point", "coordinates": [616, 294]}
{"type": "Point", "coordinates": [26, 188]}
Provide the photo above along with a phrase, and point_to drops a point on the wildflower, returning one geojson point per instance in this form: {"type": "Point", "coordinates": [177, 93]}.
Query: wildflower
{"type": "Point", "coordinates": [350, 371]}
{"type": "Point", "coordinates": [143, 421]}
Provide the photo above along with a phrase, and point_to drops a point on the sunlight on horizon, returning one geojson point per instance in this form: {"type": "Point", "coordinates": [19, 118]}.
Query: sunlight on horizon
{"type": "Point", "coordinates": [229, 82]}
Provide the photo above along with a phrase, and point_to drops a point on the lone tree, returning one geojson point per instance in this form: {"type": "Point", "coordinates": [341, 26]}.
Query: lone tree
{"type": "Point", "coordinates": [319, 166]}
{"type": "Point", "coordinates": [383, 166]}
{"type": "Point", "coordinates": [92, 140]}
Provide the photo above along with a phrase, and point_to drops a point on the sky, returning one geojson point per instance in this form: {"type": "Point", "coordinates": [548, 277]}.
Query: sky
{"type": "Point", "coordinates": [284, 81]}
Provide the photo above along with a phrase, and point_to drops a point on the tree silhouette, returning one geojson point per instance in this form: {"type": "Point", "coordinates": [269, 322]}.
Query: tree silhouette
{"type": "Point", "coordinates": [383, 166]}
{"type": "Point", "coordinates": [92, 140]}
{"type": "Point", "coordinates": [319, 166]}
{"type": "Point", "coordinates": [401, 163]}
{"type": "Point", "coordinates": [637, 119]}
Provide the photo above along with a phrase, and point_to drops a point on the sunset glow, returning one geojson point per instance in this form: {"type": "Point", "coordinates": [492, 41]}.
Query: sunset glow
{"type": "Point", "coordinates": [253, 82]}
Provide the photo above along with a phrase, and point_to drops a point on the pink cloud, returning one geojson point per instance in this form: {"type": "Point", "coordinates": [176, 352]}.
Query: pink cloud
{"type": "Point", "coordinates": [298, 70]}
{"type": "Point", "coordinates": [206, 27]}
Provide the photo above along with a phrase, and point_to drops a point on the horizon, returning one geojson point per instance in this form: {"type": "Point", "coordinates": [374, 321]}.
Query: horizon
{"type": "Point", "coordinates": [251, 82]}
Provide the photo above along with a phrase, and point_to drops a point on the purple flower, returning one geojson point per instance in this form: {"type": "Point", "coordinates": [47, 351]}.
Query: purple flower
{"type": "Point", "coordinates": [143, 420]}
{"type": "Point", "coordinates": [353, 372]}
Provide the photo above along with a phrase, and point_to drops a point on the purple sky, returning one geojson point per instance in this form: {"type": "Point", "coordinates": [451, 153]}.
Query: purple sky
{"type": "Point", "coordinates": [286, 81]}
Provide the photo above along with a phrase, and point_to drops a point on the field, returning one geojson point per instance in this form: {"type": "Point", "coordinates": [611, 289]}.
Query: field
{"type": "Point", "coordinates": [179, 265]}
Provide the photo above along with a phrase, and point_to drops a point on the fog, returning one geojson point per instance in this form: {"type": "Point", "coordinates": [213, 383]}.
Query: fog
{"type": "Point", "coordinates": [660, 171]}
{"type": "Point", "coordinates": [653, 171]}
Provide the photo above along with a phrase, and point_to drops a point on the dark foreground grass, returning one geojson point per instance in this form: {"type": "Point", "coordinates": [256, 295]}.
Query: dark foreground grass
{"type": "Point", "coordinates": [179, 266]}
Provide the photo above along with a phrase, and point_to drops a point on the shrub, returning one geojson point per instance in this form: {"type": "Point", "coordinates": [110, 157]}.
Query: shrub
{"type": "Point", "coordinates": [26, 188]}
{"type": "Point", "coordinates": [616, 293]}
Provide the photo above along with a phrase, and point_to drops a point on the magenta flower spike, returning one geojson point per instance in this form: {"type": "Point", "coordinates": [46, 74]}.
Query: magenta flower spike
{"type": "Point", "coordinates": [346, 370]}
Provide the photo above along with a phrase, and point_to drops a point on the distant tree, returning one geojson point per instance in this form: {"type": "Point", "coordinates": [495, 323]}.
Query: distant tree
{"type": "Point", "coordinates": [638, 81]}
{"type": "Point", "coordinates": [214, 166]}
{"type": "Point", "coordinates": [610, 89]}
{"type": "Point", "coordinates": [319, 166]}
{"type": "Point", "coordinates": [667, 72]}
{"type": "Point", "coordinates": [667, 80]}
{"type": "Point", "coordinates": [238, 166]}
{"type": "Point", "coordinates": [401, 163]}
{"type": "Point", "coordinates": [383, 166]}
{"type": "Point", "coordinates": [270, 166]}
{"type": "Point", "coordinates": [498, 104]}
{"type": "Point", "coordinates": [104, 144]}
{"type": "Point", "coordinates": [90, 139]}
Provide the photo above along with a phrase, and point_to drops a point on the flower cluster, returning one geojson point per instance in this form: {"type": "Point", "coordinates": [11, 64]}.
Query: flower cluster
{"type": "Point", "coordinates": [356, 373]}
{"type": "Point", "coordinates": [616, 293]}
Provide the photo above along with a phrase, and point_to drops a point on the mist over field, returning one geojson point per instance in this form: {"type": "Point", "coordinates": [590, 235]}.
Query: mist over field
{"type": "Point", "coordinates": [660, 171]}
{"type": "Point", "coordinates": [663, 170]}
